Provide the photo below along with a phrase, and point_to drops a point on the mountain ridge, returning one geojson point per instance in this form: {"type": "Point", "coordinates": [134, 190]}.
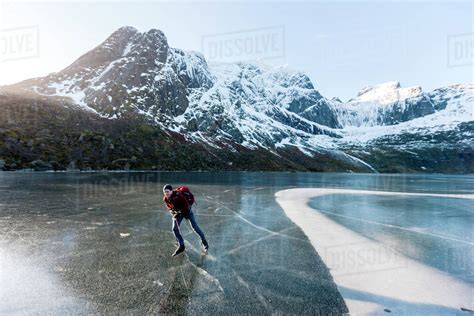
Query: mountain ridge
{"type": "Point", "coordinates": [248, 105]}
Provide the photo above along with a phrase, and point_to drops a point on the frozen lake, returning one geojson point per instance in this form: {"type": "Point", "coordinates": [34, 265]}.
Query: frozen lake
{"type": "Point", "coordinates": [101, 242]}
{"type": "Point", "coordinates": [438, 231]}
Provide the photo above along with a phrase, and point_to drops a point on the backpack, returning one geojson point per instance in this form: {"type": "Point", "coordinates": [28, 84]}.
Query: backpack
{"type": "Point", "coordinates": [184, 190]}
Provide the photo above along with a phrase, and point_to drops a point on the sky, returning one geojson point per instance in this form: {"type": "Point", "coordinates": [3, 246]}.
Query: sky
{"type": "Point", "coordinates": [341, 46]}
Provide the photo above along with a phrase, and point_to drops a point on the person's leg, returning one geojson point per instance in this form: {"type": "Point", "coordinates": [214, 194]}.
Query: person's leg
{"type": "Point", "coordinates": [176, 230]}
{"type": "Point", "coordinates": [195, 227]}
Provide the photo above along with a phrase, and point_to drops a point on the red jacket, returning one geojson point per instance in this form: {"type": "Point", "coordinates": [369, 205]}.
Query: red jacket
{"type": "Point", "coordinates": [177, 202]}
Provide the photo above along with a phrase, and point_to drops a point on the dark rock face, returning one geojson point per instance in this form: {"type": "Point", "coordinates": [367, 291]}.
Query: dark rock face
{"type": "Point", "coordinates": [321, 109]}
{"type": "Point", "coordinates": [441, 96]}
{"type": "Point", "coordinates": [406, 110]}
{"type": "Point", "coordinates": [414, 108]}
{"type": "Point", "coordinates": [301, 98]}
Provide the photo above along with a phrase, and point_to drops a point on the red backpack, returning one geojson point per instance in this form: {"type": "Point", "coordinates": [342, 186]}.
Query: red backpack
{"type": "Point", "coordinates": [187, 194]}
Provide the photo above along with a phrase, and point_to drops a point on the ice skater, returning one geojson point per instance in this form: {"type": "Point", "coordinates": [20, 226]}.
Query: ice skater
{"type": "Point", "coordinates": [179, 204]}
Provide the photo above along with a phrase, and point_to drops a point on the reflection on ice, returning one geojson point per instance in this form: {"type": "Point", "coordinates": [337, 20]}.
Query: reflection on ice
{"type": "Point", "coordinates": [27, 287]}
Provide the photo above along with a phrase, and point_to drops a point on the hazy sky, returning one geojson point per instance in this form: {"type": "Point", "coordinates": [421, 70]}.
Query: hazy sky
{"type": "Point", "coordinates": [342, 46]}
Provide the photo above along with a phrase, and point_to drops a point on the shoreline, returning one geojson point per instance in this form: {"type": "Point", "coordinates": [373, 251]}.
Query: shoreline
{"type": "Point", "coordinates": [79, 171]}
{"type": "Point", "coordinates": [373, 278]}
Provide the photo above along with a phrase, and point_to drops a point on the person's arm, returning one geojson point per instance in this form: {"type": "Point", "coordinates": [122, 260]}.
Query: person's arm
{"type": "Point", "coordinates": [168, 205]}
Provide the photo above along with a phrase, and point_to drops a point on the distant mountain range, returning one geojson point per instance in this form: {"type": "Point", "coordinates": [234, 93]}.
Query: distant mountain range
{"type": "Point", "coordinates": [133, 102]}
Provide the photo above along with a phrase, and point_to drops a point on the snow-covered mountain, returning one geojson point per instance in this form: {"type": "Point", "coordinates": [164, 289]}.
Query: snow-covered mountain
{"type": "Point", "coordinates": [248, 106]}
{"type": "Point", "coordinates": [385, 104]}
{"type": "Point", "coordinates": [133, 71]}
{"type": "Point", "coordinates": [446, 108]}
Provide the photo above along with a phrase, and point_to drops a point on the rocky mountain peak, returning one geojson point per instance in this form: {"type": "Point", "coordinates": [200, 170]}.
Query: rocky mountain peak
{"type": "Point", "coordinates": [110, 49]}
{"type": "Point", "coordinates": [127, 41]}
{"type": "Point", "coordinates": [386, 93]}
{"type": "Point", "coordinates": [386, 86]}
{"type": "Point", "coordinates": [125, 30]}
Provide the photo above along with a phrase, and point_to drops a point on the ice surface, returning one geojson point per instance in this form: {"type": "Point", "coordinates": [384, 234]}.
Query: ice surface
{"type": "Point", "coordinates": [106, 239]}
{"type": "Point", "coordinates": [371, 275]}
{"type": "Point", "coordinates": [62, 232]}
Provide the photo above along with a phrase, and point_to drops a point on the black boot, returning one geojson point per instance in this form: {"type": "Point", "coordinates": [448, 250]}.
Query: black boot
{"type": "Point", "coordinates": [178, 251]}
{"type": "Point", "coordinates": [205, 245]}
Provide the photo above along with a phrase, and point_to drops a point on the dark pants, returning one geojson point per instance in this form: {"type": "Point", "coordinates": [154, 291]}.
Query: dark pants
{"type": "Point", "coordinates": [192, 221]}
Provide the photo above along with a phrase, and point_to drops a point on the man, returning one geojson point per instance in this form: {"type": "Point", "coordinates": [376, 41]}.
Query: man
{"type": "Point", "coordinates": [179, 207]}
